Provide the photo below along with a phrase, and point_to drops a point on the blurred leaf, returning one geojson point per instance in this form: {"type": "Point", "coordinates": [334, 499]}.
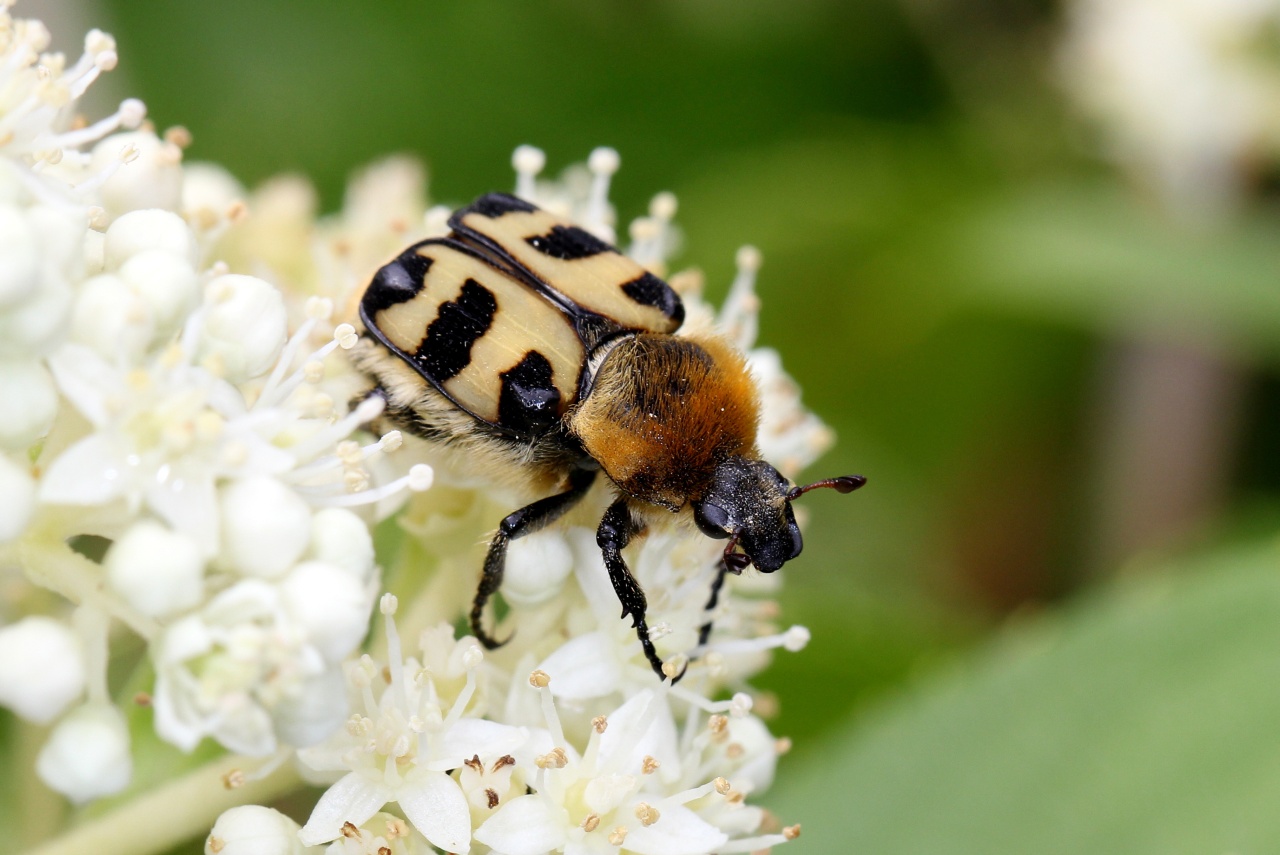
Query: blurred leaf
{"type": "Point", "coordinates": [1087, 252]}
{"type": "Point", "coordinates": [1140, 722]}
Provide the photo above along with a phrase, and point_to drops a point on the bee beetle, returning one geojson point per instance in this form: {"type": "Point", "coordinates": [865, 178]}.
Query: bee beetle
{"type": "Point", "coordinates": [526, 343]}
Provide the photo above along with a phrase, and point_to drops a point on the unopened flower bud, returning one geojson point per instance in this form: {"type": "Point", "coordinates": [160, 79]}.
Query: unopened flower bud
{"type": "Point", "coordinates": [330, 604]}
{"type": "Point", "coordinates": [139, 231]}
{"type": "Point", "coordinates": [30, 403]}
{"type": "Point", "coordinates": [17, 501]}
{"type": "Point", "coordinates": [158, 571]}
{"type": "Point", "coordinates": [245, 325]}
{"type": "Point", "coordinates": [341, 538]}
{"type": "Point", "coordinates": [41, 668]}
{"type": "Point", "coordinates": [87, 755]}
{"type": "Point", "coordinates": [537, 566]}
{"type": "Point", "coordinates": [253, 830]}
{"type": "Point", "coordinates": [265, 526]}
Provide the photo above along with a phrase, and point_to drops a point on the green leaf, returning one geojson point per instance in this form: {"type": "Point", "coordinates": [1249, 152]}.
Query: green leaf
{"type": "Point", "coordinates": [1087, 252]}
{"type": "Point", "coordinates": [1143, 721]}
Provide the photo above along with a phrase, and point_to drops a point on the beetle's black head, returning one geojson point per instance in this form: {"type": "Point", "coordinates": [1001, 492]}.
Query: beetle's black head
{"type": "Point", "coordinates": [750, 501]}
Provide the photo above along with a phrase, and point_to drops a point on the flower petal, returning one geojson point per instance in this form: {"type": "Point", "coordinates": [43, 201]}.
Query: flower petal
{"type": "Point", "coordinates": [526, 825]}
{"type": "Point", "coordinates": [678, 832]}
{"type": "Point", "coordinates": [471, 736]}
{"type": "Point", "coordinates": [189, 503]}
{"type": "Point", "coordinates": [87, 381]}
{"type": "Point", "coordinates": [91, 472]}
{"type": "Point", "coordinates": [352, 799]}
{"type": "Point", "coordinates": [583, 668]}
{"type": "Point", "coordinates": [644, 725]}
{"type": "Point", "coordinates": [437, 807]}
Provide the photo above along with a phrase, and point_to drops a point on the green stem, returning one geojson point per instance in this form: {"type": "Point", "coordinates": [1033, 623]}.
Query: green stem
{"type": "Point", "coordinates": [56, 566]}
{"type": "Point", "coordinates": [172, 814]}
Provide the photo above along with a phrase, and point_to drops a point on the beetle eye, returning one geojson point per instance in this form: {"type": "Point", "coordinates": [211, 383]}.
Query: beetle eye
{"type": "Point", "coordinates": [713, 520]}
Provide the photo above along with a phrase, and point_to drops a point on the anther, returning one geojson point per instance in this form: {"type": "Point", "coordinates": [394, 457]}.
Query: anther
{"type": "Point", "coordinates": [599, 724]}
{"type": "Point", "coordinates": [539, 679]}
{"type": "Point", "coordinates": [178, 135]}
{"type": "Point", "coordinates": [647, 814]}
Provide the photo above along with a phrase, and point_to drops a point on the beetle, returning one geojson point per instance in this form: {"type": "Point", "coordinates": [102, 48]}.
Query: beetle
{"type": "Point", "coordinates": [527, 344]}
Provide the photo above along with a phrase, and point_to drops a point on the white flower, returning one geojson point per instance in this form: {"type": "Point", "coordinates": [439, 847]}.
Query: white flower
{"type": "Point", "coordinates": [87, 755]}
{"type": "Point", "coordinates": [627, 790]}
{"type": "Point", "coordinates": [381, 834]}
{"type": "Point", "coordinates": [1185, 90]}
{"type": "Point", "coordinates": [41, 668]}
{"type": "Point", "coordinates": [228, 670]}
{"type": "Point", "coordinates": [402, 747]}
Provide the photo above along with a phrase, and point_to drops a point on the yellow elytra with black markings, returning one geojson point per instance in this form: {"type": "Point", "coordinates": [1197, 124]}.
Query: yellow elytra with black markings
{"type": "Point", "coordinates": [535, 350]}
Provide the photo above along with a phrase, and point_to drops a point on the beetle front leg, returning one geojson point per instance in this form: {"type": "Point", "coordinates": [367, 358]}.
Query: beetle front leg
{"type": "Point", "coordinates": [615, 532]}
{"type": "Point", "coordinates": [514, 526]}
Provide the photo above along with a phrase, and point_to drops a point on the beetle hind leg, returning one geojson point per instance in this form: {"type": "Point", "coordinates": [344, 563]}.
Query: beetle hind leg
{"type": "Point", "coordinates": [515, 525]}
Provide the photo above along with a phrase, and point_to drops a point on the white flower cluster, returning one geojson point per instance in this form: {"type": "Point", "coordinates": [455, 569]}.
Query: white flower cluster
{"type": "Point", "coordinates": [177, 463]}
{"type": "Point", "coordinates": [1186, 91]}
{"type": "Point", "coordinates": [154, 401]}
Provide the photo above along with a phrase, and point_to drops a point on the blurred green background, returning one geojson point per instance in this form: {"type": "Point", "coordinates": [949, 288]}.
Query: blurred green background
{"type": "Point", "coordinates": [1051, 623]}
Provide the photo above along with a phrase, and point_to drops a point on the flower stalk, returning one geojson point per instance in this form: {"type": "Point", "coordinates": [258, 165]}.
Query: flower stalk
{"type": "Point", "coordinates": [174, 812]}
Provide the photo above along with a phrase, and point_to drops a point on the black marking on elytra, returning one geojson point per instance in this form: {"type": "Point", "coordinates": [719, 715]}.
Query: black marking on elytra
{"type": "Point", "coordinates": [568, 243]}
{"type": "Point", "coordinates": [494, 205]}
{"type": "Point", "coordinates": [529, 402]}
{"type": "Point", "coordinates": [648, 290]}
{"type": "Point", "coordinates": [446, 348]}
{"type": "Point", "coordinates": [397, 282]}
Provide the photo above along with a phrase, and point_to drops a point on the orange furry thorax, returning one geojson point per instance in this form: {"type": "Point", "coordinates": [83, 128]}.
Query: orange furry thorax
{"type": "Point", "coordinates": [664, 411]}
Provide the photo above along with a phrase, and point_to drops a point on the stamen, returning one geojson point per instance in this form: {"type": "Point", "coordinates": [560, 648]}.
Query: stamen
{"type": "Point", "coordinates": [527, 161]}
{"type": "Point", "coordinates": [128, 154]}
{"type": "Point", "coordinates": [395, 657]}
{"type": "Point", "coordinates": [267, 396]}
{"type": "Point", "coordinates": [794, 639]}
{"type": "Point", "coordinates": [420, 478]}
{"type": "Point", "coordinates": [130, 115]}
{"type": "Point", "coordinates": [603, 162]}
{"type": "Point", "coordinates": [471, 660]}
{"type": "Point", "coordinates": [541, 681]}
{"type": "Point", "coordinates": [366, 411]}
{"type": "Point", "coordinates": [739, 315]}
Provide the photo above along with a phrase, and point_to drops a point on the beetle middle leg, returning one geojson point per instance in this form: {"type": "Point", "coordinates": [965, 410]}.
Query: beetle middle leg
{"type": "Point", "coordinates": [515, 525]}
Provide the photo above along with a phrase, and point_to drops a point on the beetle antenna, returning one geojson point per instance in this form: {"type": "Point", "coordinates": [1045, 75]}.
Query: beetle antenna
{"type": "Point", "coordinates": [843, 484]}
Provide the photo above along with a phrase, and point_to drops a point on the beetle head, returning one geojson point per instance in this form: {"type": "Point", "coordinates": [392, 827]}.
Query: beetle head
{"type": "Point", "coordinates": [749, 502]}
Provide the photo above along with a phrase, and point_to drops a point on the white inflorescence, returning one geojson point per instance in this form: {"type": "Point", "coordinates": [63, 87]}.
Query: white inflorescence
{"type": "Point", "coordinates": [187, 417]}
{"type": "Point", "coordinates": [1185, 91]}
